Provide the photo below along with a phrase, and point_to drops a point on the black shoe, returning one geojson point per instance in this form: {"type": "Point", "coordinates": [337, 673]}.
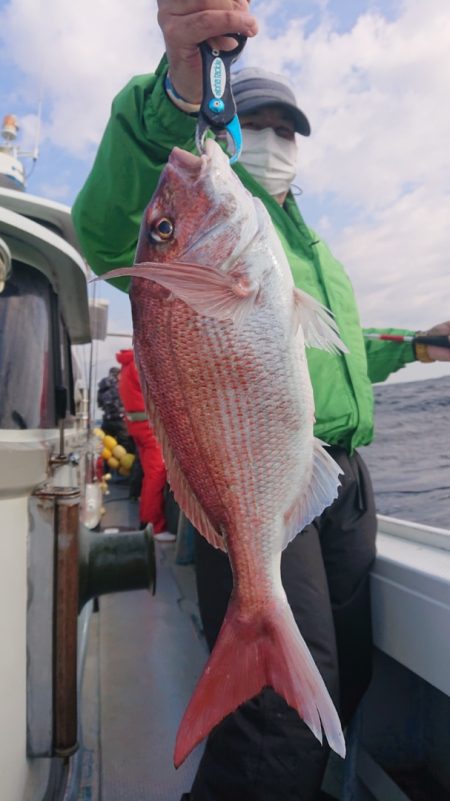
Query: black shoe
{"type": "Point", "coordinates": [185, 797]}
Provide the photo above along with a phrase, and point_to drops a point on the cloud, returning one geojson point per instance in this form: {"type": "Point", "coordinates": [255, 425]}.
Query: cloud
{"type": "Point", "coordinates": [84, 52]}
{"type": "Point", "coordinates": [401, 261]}
{"type": "Point", "coordinates": [375, 86]}
{"type": "Point", "coordinates": [376, 96]}
{"type": "Point", "coordinates": [376, 167]}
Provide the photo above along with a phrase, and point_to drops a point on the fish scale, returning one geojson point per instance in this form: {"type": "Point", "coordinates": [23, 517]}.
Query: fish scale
{"type": "Point", "coordinates": [219, 335]}
{"type": "Point", "coordinates": [227, 367]}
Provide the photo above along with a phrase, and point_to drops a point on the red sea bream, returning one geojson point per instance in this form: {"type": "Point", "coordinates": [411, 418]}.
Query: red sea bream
{"type": "Point", "coordinates": [219, 335]}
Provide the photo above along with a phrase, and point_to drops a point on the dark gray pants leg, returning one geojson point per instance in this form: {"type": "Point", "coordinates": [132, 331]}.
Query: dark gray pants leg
{"type": "Point", "coordinates": [264, 752]}
{"type": "Point", "coordinates": [347, 536]}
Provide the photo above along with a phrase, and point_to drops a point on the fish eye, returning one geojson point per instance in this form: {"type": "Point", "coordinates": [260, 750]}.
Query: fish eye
{"type": "Point", "coordinates": [162, 230]}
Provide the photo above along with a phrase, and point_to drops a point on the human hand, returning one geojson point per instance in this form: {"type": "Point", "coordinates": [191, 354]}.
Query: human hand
{"type": "Point", "coordinates": [186, 23]}
{"type": "Point", "coordinates": [435, 353]}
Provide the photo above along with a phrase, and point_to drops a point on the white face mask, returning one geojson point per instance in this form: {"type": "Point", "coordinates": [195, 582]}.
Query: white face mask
{"type": "Point", "coordinates": [270, 159]}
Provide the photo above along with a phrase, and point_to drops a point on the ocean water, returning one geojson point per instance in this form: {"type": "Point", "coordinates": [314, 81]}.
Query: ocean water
{"type": "Point", "coordinates": [409, 459]}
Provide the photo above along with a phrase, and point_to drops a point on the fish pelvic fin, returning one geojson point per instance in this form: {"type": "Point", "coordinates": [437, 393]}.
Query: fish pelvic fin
{"type": "Point", "coordinates": [179, 484]}
{"type": "Point", "coordinates": [271, 652]}
{"type": "Point", "coordinates": [319, 327]}
{"type": "Point", "coordinates": [319, 493]}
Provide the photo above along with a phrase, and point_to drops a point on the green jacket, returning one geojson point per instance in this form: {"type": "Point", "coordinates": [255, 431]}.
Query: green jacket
{"type": "Point", "coordinates": [143, 129]}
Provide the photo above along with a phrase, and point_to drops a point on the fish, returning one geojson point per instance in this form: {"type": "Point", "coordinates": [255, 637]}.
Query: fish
{"type": "Point", "coordinates": [220, 333]}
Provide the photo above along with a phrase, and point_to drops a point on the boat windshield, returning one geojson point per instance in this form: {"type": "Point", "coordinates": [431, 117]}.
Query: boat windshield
{"type": "Point", "coordinates": [26, 359]}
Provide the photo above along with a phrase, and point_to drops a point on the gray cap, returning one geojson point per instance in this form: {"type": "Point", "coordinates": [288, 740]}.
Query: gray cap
{"type": "Point", "coordinates": [254, 87]}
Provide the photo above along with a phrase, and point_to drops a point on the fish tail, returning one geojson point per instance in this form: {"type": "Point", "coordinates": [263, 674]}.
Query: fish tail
{"type": "Point", "coordinates": [293, 675]}
{"type": "Point", "coordinates": [252, 652]}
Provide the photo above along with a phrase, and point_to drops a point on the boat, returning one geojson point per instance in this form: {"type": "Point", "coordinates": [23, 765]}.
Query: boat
{"type": "Point", "coordinates": [54, 563]}
{"type": "Point", "coordinates": [96, 670]}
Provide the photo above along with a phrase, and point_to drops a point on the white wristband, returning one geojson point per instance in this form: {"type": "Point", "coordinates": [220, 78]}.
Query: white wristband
{"type": "Point", "coordinates": [177, 100]}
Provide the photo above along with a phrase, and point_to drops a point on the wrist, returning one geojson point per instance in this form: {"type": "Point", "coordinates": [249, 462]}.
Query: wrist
{"type": "Point", "coordinates": [179, 101]}
{"type": "Point", "coordinates": [421, 351]}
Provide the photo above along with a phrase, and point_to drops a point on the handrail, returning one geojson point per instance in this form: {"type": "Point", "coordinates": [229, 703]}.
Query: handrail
{"type": "Point", "coordinates": [414, 532]}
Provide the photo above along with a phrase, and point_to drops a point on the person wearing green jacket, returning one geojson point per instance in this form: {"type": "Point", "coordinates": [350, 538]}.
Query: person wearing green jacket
{"type": "Point", "coordinates": [263, 752]}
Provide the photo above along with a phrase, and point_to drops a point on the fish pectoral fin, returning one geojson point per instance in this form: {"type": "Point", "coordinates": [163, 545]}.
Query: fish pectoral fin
{"type": "Point", "coordinates": [318, 324]}
{"type": "Point", "coordinates": [319, 493]}
{"type": "Point", "coordinates": [207, 290]}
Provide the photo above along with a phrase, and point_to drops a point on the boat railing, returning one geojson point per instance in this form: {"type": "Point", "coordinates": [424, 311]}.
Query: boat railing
{"type": "Point", "coordinates": [414, 532]}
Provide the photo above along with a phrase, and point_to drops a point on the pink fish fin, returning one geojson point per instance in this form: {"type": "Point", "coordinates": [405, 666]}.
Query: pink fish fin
{"type": "Point", "coordinates": [321, 490]}
{"type": "Point", "coordinates": [189, 504]}
{"type": "Point", "coordinates": [318, 324]}
{"type": "Point", "coordinates": [272, 653]}
{"type": "Point", "coordinates": [207, 290]}
{"type": "Point", "coordinates": [179, 484]}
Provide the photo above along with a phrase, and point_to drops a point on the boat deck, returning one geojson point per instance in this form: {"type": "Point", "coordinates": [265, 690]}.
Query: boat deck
{"type": "Point", "coordinates": [144, 656]}
{"type": "Point", "coordinates": [146, 652]}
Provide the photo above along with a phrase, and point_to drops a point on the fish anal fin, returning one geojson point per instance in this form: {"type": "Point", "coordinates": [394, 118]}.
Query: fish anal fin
{"type": "Point", "coordinates": [317, 322]}
{"type": "Point", "coordinates": [321, 490]}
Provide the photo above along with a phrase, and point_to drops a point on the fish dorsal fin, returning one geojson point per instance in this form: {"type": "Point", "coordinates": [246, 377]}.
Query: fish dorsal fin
{"type": "Point", "coordinates": [317, 322]}
{"type": "Point", "coordinates": [206, 289]}
{"type": "Point", "coordinates": [179, 484]}
{"type": "Point", "coordinates": [316, 496]}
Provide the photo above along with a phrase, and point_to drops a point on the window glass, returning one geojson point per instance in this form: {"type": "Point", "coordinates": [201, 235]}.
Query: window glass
{"type": "Point", "coordinates": [26, 357]}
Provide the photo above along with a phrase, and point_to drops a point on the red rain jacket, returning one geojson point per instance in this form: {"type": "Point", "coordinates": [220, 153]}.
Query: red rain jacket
{"type": "Point", "coordinates": [129, 385]}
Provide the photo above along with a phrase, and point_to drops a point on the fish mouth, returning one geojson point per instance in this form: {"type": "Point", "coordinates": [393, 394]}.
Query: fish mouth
{"type": "Point", "coordinates": [196, 165]}
{"type": "Point", "coordinates": [188, 162]}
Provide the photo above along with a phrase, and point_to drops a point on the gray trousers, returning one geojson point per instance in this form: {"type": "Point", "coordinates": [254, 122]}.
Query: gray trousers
{"type": "Point", "coordinates": [263, 751]}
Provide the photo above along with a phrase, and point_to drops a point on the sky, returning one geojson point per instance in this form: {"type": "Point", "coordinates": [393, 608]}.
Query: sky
{"type": "Point", "coordinates": [373, 79]}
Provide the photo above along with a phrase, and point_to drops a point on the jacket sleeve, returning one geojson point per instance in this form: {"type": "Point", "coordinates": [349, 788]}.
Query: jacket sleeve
{"type": "Point", "coordinates": [384, 358]}
{"type": "Point", "coordinates": [143, 128]}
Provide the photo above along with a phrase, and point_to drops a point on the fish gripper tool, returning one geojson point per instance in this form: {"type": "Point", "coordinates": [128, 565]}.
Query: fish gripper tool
{"type": "Point", "coordinates": [218, 108]}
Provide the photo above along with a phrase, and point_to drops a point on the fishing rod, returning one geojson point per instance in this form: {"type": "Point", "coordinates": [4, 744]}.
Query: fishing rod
{"type": "Point", "coordinates": [438, 340]}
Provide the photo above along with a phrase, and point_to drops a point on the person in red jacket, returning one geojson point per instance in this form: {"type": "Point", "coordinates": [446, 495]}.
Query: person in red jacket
{"type": "Point", "coordinates": [151, 503]}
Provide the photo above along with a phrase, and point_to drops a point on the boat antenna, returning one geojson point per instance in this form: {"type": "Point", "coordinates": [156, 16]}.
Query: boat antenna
{"type": "Point", "coordinates": [37, 137]}
{"type": "Point", "coordinates": [37, 140]}
{"type": "Point", "coordinates": [90, 374]}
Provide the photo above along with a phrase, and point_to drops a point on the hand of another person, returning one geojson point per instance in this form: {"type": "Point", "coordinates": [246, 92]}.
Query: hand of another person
{"type": "Point", "coordinates": [186, 23]}
{"type": "Point", "coordinates": [439, 354]}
